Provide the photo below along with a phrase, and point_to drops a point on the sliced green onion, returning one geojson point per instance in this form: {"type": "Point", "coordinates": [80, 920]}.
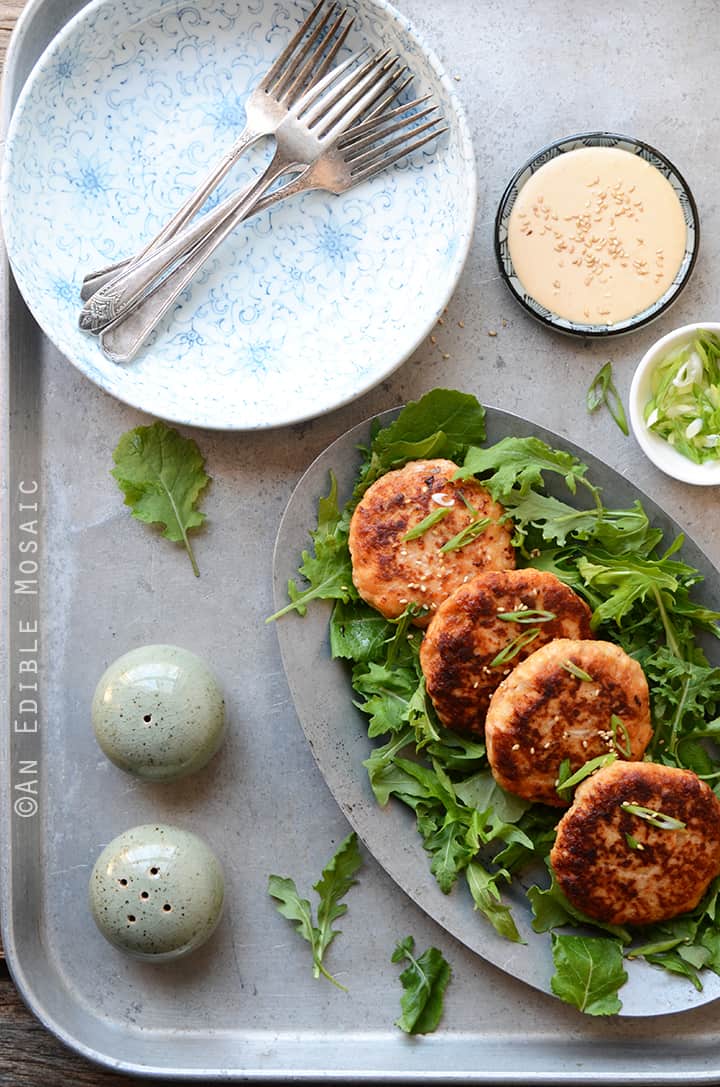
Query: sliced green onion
{"type": "Point", "coordinates": [527, 615]}
{"type": "Point", "coordinates": [579, 673]}
{"type": "Point", "coordinates": [615, 724]}
{"type": "Point", "coordinates": [426, 523]}
{"type": "Point", "coordinates": [466, 535]}
{"type": "Point", "coordinates": [633, 843]}
{"type": "Point", "coordinates": [564, 770]}
{"type": "Point", "coordinates": [513, 648]}
{"type": "Point", "coordinates": [684, 408]}
{"type": "Point", "coordinates": [655, 818]}
{"type": "Point", "coordinates": [602, 391]}
{"type": "Point", "coordinates": [585, 771]}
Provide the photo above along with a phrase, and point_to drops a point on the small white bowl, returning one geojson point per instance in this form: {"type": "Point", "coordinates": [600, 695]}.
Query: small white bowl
{"type": "Point", "coordinates": [662, 454]}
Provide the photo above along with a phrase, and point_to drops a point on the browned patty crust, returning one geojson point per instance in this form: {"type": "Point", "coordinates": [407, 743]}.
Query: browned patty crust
{"type": "Point", "coordinates": [545, 712]}
{"type": "Point", "coordinates": [467, 633]}
{"type": "Point", "coordinates": [390, 572]}
{"type": "Point", "coordinates": [666, 872]}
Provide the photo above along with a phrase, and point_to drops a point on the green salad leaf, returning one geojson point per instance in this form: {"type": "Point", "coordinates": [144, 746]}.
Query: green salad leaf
{"type": "Point", "coordinates": [517, 465]}
{"type": "Point", "coordinates": [589, 972]}
{"type": "Point", "coordinates": [443, 423]}
{"type": "Point", "coordinates": [161, 474]}
{"type": "Point", "coordinates": [328, 569]}
{"type": "Point", "coordinates": [336, 880]}
{"type": "Point", "coordinates": [424, 981]}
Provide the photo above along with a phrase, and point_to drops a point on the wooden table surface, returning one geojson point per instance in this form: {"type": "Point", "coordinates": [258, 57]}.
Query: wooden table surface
{"type": "Point", "coordinates": [29, 1055]}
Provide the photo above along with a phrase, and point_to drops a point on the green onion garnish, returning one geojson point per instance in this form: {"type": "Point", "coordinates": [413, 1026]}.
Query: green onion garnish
{"type": "Point", "coordinates": [513, 648]}
{"type": "Point", "coordinates": [602, 391]}
{"type": "Point", "coordinates": [466, 535]}
{"type": "Point", "coordinates": [633, 843]}
{"type": "Point", "coordinates": [615, 724]}
{"type": "Point", "coordinates": [579, 673]}
{"type": "Point", "coordinates": [563, 784]}
{"type": "Point", "coordinates": [655, 818]}
{"type": "Point", "coordinates": [426, 523]}
{"type": "Point", "coordinates": [527, 615]}
{"type": "Point", "coordinates": [685, 405]}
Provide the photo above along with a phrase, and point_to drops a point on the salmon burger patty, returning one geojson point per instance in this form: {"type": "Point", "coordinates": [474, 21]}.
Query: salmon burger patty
{"type": "Point", "coordinates": [484, 629]}
{"type": "Point", "coordinates": [568, 700]}
{"type": "Point", "coordinates": [390, 571]}
{"type": "Point", "coordinates": [617, 866]}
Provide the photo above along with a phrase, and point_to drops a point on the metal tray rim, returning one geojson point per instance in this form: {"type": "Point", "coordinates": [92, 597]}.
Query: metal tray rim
{"type": "Point", "coordinates": [18, 972]}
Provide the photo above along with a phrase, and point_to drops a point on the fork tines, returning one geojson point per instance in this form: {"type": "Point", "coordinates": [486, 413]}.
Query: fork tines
{"type": "Point", "coordinates": [306, 61]}
{"type": "Point", "coordinates": [368, 148]}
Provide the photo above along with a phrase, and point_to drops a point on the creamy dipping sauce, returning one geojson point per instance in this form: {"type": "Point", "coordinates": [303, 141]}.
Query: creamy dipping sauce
{"type": "Point", "coordinates": [597, 235]}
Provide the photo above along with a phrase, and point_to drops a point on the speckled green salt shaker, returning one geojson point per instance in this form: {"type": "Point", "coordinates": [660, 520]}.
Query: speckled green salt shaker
{"type": "Point", "coordinates": [158, 712]}
{"type": "Point", "coordinates": [156, 892]}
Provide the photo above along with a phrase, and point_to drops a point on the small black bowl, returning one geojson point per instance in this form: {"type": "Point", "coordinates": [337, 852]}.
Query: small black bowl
{"type": "Point", "coordinates": [572, 143]}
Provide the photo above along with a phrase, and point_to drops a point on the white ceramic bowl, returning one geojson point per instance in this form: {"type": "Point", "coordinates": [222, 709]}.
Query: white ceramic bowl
{"type": "Point", "coordinates": [304, 307]}
{"type": "Point", "coordinates": [662, 454]}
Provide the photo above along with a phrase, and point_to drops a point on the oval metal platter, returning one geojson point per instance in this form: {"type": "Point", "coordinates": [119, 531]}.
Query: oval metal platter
{"type": "Point", "coordinates": [337, 733]}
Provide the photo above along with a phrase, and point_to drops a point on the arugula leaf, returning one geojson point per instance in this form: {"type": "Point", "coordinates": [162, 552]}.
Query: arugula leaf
{"type": "Point", "coordinates": [328, 569]}
{"type": "Point", "coordinates": [161, 475]}
{"type": "Point", "coordinates": [387, 693]}
{"type": "Point", "coordinates": [481, 791]}
{"type": "Point", "coordinates": [385, 778]}
{"type": "Point", "coordinates": [602, 391]}
{"type": "Point", "coordinates": [551, 909]}
{"type": "Point", "coordinates": [685, 699]}
{"type": "Point", "coordinates": [483, 888]}
{"type": "Point", "coordinates": [334, 883]}
{"type": "Point", "coordinates": [424, 982]}
{"type": "Point", "coordinates": [357, 631]}
{"type": "Point", "coordinates": [588, 972]}
{"type": "Point", "coordinates": [518, 464]}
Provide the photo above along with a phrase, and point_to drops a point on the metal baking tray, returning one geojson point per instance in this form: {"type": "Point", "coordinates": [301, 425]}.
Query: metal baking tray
{"type": "Point", "coordinates": [246, 1005]}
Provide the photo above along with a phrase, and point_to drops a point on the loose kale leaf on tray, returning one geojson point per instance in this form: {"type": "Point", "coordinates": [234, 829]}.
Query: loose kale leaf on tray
{"type": "Point", "coordinates": [161, 474]}
{"type": "Point", "coordinates": [641, 595]}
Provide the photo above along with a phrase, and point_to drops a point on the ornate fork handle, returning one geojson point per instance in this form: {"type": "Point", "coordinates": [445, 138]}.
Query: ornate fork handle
{"type": "Point", "coordinates": [96, 280]}
{"type": "Point", "coordinates": [127, 288]}
{"type": "Point", "coordinates": [123, 338]}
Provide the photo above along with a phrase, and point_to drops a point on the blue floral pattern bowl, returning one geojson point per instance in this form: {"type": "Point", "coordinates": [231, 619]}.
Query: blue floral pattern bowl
{"type": "Point", "coordinates": [305, 307]}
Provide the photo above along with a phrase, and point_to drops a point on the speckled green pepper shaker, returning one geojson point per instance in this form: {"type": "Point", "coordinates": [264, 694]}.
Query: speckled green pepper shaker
{"type": "Point", "coordinates": [156, 892]}
{"type": "Point", "coordinates": [158, 712]}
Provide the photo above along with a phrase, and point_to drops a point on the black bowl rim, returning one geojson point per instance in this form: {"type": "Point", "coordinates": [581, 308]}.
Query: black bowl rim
{"type": "Point", "coordinates": [647, 315]}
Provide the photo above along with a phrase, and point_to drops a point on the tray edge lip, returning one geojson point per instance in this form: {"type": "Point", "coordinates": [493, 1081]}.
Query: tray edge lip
{"type": "Point", "coordinates": [29, 13]}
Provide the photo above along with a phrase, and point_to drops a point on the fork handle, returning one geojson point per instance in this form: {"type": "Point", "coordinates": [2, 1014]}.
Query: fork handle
{"type": "Point", "coordinates": [127, 283]}
{"type": "Point", "coordinates": [123, 337]}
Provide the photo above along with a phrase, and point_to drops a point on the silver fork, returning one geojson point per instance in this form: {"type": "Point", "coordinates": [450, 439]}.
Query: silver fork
{"type": "Point", "coordinates": [361, 153]}
{"type": "Point", "coordinates": [326, 110]}
{"type": "Point", "coordinates": [302, 63]}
